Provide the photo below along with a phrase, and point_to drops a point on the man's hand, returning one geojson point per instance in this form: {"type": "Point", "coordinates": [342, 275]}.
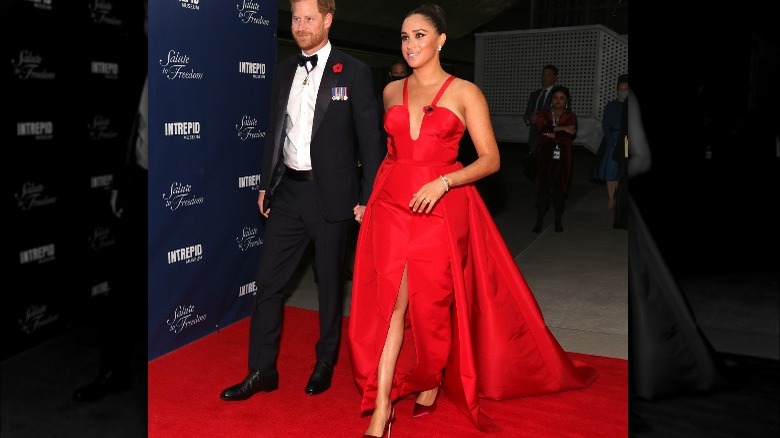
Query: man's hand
{"type": "Point", "coordinates": [114, 205]}
{"type": "Point", "coordinates": [260, 200]}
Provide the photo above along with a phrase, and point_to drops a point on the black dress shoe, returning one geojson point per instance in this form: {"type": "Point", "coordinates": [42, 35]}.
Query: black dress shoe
{"type": "Point", "coordinates": [253, 383]}
{"type": "Point", "coordinates": [108, 382]}
{"type": "Point", "coordinates": [537, 227]}
{"type": "Point", "coordinates": [319, 381]}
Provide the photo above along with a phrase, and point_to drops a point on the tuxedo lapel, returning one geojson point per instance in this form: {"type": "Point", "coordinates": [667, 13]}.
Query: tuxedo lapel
{"type": "Point", "coordinates": [288, 74]}
{"type": "Point", "coordinates": [539, 96]}
{"type": "Point", "coordinates": [547, 100]}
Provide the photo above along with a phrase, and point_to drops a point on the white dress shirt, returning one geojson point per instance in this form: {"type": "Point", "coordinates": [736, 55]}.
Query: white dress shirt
{"type": "Point", "coordinates": [300, 110]}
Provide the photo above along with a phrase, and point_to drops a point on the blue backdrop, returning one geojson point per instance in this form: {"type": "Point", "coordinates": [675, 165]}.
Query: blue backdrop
{"type": "Point", "coordinates": [210, 67]}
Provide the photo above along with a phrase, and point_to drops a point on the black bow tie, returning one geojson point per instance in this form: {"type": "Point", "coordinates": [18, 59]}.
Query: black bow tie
{"type": "Point", "coordinates": [302, 59]}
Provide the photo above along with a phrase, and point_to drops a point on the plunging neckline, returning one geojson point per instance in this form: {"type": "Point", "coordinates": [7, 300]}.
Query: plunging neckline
{"type": "Point", "coordinates": [428, 109]}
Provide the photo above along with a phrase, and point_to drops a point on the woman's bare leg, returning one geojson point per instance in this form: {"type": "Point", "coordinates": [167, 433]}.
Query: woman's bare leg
{"type": "Point", "coordinates": [386, 367]}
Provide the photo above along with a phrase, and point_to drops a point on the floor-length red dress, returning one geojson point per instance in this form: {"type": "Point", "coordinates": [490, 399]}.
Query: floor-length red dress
{"type": "Point", "coordinates": [472, 321]}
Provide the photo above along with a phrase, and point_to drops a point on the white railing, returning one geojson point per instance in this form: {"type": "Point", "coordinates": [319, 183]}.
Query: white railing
{"type": "Point", "coordinates": [508, 67]}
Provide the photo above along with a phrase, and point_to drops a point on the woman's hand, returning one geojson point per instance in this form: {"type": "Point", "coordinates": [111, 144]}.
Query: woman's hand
{"type": "Point", "coordinates": [428, 195]}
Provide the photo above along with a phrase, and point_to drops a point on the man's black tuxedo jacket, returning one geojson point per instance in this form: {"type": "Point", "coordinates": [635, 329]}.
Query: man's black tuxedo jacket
{"type": "Point", "coordinates": [345, 135]}
{"type": "Point", "coordinates": [530, 106]}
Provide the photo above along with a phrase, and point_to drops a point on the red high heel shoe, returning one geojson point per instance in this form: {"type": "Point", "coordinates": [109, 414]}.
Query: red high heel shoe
{"type": "Point", "coordinates": [388, 426]}
{"type": "Point", "coordinates": [420, 410]}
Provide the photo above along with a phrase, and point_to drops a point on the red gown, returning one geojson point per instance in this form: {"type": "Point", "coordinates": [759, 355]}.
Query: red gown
{"type": "Point", "coordinates": [472, 321]}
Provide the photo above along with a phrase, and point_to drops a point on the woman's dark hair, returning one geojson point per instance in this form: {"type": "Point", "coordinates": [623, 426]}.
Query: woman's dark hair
{"type": "Point", "coordinates": [565, 91]}
{"type": "Point", "coordinates": [434, 13]}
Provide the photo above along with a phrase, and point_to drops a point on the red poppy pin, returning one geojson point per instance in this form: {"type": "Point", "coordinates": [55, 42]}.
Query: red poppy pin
{"type": "Point", "coordinates": [337, 68]}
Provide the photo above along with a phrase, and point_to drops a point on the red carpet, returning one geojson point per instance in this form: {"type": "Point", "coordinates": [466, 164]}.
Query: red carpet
{"type": "Point", "coordinates": [184, 388]}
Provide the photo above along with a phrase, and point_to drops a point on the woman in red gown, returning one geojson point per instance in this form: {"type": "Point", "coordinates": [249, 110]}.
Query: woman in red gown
{"type": "Point", "coordinates": [558, 127]}
{"type": "Point", "coordinates": [438, 300]}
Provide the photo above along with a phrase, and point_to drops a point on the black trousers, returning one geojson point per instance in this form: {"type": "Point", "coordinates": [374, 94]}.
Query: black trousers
{"type": "Point", "coordinates": [295, 221]}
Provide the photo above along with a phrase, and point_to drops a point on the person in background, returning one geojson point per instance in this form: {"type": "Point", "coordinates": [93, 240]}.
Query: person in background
{"type": "Point", "coordinates": [558, 128]}
{"type": "Point", "coordinates": [118, 342]}
{"type": "Point", "coordinates": [620, 156]}
{"type": "Point", "coordinates": [605, 168]}
{"type": "Point", "coordinates": [399, 70]}
{"type": "Point", "coordinates": [435, 287]}
{"type": "Point", "coordinates": [322, 126]}
{"type": "Point", "coordinates": [538, 100]}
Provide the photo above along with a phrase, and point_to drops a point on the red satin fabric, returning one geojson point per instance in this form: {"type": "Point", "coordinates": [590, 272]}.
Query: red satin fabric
{"type": "Point", "coordinates": [472, 321]}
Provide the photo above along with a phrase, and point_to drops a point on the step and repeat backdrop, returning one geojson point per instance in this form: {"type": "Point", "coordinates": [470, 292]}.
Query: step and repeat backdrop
{"type": "Point", "coordinates": [210, 66]}
{"type": "Point", "coordinates": [74, 71]}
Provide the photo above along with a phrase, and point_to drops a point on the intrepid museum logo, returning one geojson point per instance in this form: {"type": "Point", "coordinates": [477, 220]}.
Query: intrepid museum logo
{"type": "Point", "coordinates": [175, 65]}
{"type": "Point", "coordinates": [41, 4]}
{"type": "Point", "coordinates": [41, 130]}
{"type": "Point", "coordinates": [100, 289]}
{"type": "Point", "coordinates": [181, 195]}
{"type": "Point", "coordinates": [41, 254]}
{"type": "Point", "coordinates": [183, 317]}
{"type": "Point", "coordinates": [256, 69]}
{"type": "Point", "coordinates": [249, 13]}
{"type": "Point", "coordinates": [186, 130]}
{"type": "Point", "coordinates": [249, 288]}
{"type": "Point", "coordinates": [32, 195]}
{"type": "Point", "coordinates": [188, 254]}
{"type": "Point", "coordinates": [247, 129]}
{"type": "Point", "coordinates": [190, 4]}
{"type": "Point", "coordinates": [109, 70]}
{"type": "Point", "coordinates": [251, 181]}
{"type": "Point", "coordinates": [101, 181]}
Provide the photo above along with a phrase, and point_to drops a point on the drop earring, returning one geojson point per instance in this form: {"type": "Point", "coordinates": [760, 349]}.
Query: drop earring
{"type": "Point", "coordinates": [439, 48]}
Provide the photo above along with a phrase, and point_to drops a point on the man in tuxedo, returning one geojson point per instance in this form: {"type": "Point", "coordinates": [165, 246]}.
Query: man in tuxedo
{"type": "Point", "coordinates": [323, 126]}
{"type": "Point", "coordinates": [537, 101]}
